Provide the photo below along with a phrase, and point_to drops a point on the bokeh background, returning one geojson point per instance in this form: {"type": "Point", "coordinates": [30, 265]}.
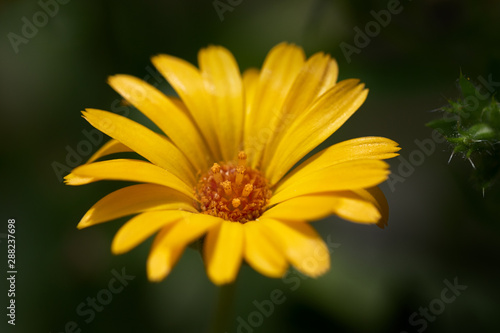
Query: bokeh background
{"type": "Point", "coordinates": [440, 228]}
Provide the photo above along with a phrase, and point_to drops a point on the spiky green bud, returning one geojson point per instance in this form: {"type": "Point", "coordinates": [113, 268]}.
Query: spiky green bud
{"type": "Point", "coordinates": [471, 125]}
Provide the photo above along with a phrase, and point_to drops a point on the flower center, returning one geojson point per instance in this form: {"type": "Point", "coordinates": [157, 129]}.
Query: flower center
{"type": "Point", "coordinates": [234, 192]}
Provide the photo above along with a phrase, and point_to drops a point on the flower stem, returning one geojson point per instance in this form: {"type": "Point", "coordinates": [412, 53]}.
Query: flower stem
{"type": "Point", "coordinates": [224, 311]}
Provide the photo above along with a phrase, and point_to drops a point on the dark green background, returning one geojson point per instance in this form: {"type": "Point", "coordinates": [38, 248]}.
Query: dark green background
{"type": "Point", "coordinates": [440, 226]}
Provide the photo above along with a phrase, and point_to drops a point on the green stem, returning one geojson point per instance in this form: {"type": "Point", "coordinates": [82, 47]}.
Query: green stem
{"type": "Point", "coordinates": [224, 311]}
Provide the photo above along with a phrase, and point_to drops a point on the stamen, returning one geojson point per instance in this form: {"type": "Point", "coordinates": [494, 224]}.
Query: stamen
{"type": "Point", "coordinates": [216, 171]}
{"type": "Point", "coordinates": [240, 172]}
{"type": "Point", "coordinates": [226, 185]}
{"type": "Point", "coordinates": [247, 190]}
{"type": "Point", "coordinates": [233, 191]}
{"type": "Point", "coordinates": [236, 202]}
{"type": "Point", "coordinates": [242, 158]}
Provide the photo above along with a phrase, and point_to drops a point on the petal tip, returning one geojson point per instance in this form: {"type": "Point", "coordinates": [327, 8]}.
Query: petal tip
{"type": "Point", "coordinates": [155, 275]}
{"type": "Point", "coordinates": [157, 269]}
{"type": "Point", "coordinates": [82, 225]}
{"type": "Point", "coordinates": [220, 280]}
{"type": "Point", "coordinates": [86, 220]}
{"type": "Point", "coordinates": [117, 246]}
{"type": "Point", "coordinates": [72, 179]}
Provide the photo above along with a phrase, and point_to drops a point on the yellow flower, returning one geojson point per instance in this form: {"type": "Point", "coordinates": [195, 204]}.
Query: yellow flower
{"type": "Point", "coordinates": [221, 168]}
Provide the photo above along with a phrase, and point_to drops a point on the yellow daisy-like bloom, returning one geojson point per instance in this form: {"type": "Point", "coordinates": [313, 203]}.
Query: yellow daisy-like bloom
{"type": "Point", "coordinates": [221, 168]}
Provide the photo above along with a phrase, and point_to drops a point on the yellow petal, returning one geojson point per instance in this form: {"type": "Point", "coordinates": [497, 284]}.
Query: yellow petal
{"type": "Point", "coordinates": [72, 179]}
{"type": "Point", "coordinates": [280, 69]}
{"type": "Point", "coordinates": [127, 170]}
{"type": "Point", "coordinates": [181, 106]}
{"type": "Point", "coordinates": [135, 199]}
{"type": "Point", "coordinates": [111, 147]}
{"type": "Point", "coordinates": [140, 227]}
{"type": "Point", "coordinates": [170, 243]}
{"type": "Point", "coordinates": [189, 85]}
{"type": "Point", "coordinates": [317, 75]}
{"type": "Point", "coordinates": [377, 198]}
{"type": "Point", "coordinates": [162, 258]}
{"type": "Point", "coordinates": [330, 76]}
{"type": "Point", "coordinates": [361, 148]}
{"type": "Point", "coordinates": [302, 245]}
{"type": "Point", "coordinates": [190, 228]}
{"type": "Point", "coordinates": [262, 253]}
{"type": "Point", "coordinates": [345, 204]}
{"type": "Point", "coordinates": [303, 208]}
{"type": "Point", "coordinates": [224, 87]}
{"type": "Point", "coordinates": [171, 119]}
{"type": "Point", "coordinates": [315, 125]}
{"type": "Point", "coordinates": [145, 142]}
{"type": "Point", "coordinates": [345, 176]}
{"type": "Point", "coordinates": [353, 208]}
{"type": "Point", "coordinates": [223, 250]}
{"type": "Point", "coordinates": [250, 83]}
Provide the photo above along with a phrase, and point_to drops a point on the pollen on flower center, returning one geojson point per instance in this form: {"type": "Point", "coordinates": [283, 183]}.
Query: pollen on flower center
{"type": "Point", "coordinates": [233, 191]}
